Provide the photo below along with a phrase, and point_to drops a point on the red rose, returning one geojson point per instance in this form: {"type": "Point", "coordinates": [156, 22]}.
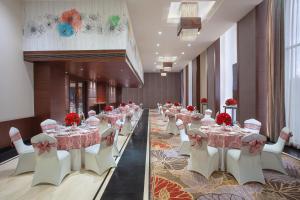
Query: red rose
{"type": "Point", "coordinates": [72, 118]}
{"type": "Point", "coordinates": [190, 108]}
{"type": "Point", "coordinates": [108, 108]}
{"type": "Point", "coordinates": [224, 118]}
{"type": "Point", "coordinates": [203, 100]}
{"type": "Point", "coordinates": [176, 104]}
{"type": "Point", "coordinates": [231, 102]}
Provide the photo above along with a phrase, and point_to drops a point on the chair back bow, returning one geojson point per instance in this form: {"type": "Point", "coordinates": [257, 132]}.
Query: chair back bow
{"type": "Point", "coordinates": [109, 139]}
{"type": "Point", "coordinates": [44, 147]}
{"type": "Point", "coordinates": [255, 146]}
{"type": "Point", "coordinates": [285, 135]}
{"type": "Point", "coordinates": [195, 139]}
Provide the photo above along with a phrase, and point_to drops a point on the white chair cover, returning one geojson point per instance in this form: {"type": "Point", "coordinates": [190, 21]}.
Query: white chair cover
{"type": "Point", "coordinates": [271, 154]}
{"type": "Point", "coordinates": [252, 125]}
{"type": "Point", "coordinates": [171, 127]}
{"type": "Point", "coordinates": [207, 113]}
{"type": "Point", "coordinates": [99, 157]}
{"type": "Point", "coordinates": [196, 120]}
{"type": "Point", "coordinates": [116, 151]}
{"type": "Point", "coordinates": [91, 113]}
{"type": "Point", "coordinates": [127, 126]}
{"type": "Point", "coordinates": [103, 123]}
{"type": "Point", "coordinates": [93, 121]}
{"type": "Point", "coordinates": [207, 121]}
{"type": "Point", "coordinates": [203, 159]}
{"type": "Point", "coordinates": [49, 126]}
{"type": "Point", "coordinates": [185, 141]}
{"type": "Point", "coordinates": [245, 164]}
{"type": "Point", "coordinates": [26, 161]}
{"type": "Point", "coordinates": [51, 165]}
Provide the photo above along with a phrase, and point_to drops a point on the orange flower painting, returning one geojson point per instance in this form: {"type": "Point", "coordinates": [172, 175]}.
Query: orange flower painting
{"type": "Point", "coordinates": [73, 18]}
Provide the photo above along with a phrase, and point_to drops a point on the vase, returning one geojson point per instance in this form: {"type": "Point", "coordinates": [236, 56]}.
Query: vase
{"type": "Point", "coordinates": [74, 126]}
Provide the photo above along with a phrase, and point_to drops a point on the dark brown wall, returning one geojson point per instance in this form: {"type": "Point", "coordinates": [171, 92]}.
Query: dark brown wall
{"type": "Point", "coordinates": [49, 91]}
{"type": "Point", "coordinates": [156, 89]}
{"type": "Point", "coordinates": [213, 76]}
{"type": "Point", "coordinates": [25, 125]}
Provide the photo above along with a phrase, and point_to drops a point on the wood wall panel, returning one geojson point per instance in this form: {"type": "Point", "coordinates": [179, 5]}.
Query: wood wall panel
{"type": "Point", "coordinates": [27, 127]}
{"type": "Point", "coordinates": [156, 89]}
{"type": "Point", "coordinates": [247, 67]}
{"type": "Point", "coordinates": [213, 76]}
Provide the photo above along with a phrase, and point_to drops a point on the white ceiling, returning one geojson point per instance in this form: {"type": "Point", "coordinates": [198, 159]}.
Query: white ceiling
{"type": "Point", "coordinates": [150, 16]}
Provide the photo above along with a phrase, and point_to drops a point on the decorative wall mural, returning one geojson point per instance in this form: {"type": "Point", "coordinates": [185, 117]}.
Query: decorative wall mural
{"type": "Point", "coordinates": [71, 22]}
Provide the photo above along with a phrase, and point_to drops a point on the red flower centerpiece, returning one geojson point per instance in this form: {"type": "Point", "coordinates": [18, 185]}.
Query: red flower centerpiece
{"type": "Point", "coordinates": [224, 118]}
{"type": "Point", "coordinates": [72, 119]}
{"type": "Point", "coordinates": [108, 108]}
{"type": "Point", "coordinates": [231, 102]}
{"type": "Point", "coordinates": [190, 108]}
{"type": "Point", "coordinates": [203, 100]}
{"type": "Point", "coordinates": [123, 104]}
{"type": "Point", "coordinates": [176, 104]}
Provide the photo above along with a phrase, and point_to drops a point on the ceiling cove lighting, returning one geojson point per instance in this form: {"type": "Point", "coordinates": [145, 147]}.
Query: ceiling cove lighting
{"type": "Point", "coordinates": [159, 32]}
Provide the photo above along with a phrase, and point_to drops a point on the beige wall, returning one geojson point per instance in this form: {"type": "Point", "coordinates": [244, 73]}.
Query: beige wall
{"type": "Point", "coordinates": [16, 76]}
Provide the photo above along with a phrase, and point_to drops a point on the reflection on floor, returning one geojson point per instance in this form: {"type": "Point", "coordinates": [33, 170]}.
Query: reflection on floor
{"type": "Point", "coordinates": [78, 185]}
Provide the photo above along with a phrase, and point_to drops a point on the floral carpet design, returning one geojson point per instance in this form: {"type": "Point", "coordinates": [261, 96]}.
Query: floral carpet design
{"type": "Point", "coordinates": [170, 179]}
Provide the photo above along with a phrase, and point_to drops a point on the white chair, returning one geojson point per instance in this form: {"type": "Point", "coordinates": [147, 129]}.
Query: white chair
{"type": "Point", "coordinates": [245, 164]}
{"type": "Point", "coordinates": [103, 123]}
{"type": "Point", "coordinates": [171, 127]}
{"type": "Point", "coordinates": [49, 126]}
{"type": "Point", "coordinates": [203, 159]}
{"type": "Point", "coordinates": [52, 165]}
{"type": "Point", "coordinates": [252, 126]}
{"type": "Point", "coordinates": [118, 126]}
{"type": "Point", "coordinates": [207, 113]}
{"type": "Point", "coordinates": [99, 157]}
{"type": "Point", "coordinates": [93, 121]}
{"type": "Point", "coordinates": [271, 154]}
{"type": "Point", "coordinates": [26, 161]}
{"type": "Point", "coordinates": [127, 126]}
{"type": "Point", "coordinates": [184, 138]}
{"type": "Point", "coordinates": [91, 113]}
{"type": "Point", "coordinates": [196, 120]}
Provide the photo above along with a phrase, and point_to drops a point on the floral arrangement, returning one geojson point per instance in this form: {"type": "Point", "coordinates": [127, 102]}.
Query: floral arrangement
{"type": "Point", "coordinates": [130, 102]}
{"type": "Point", "coordinates": [224, 118]}
{"type": "Point", "coordinates": [231, 102]}
{"type": "Point", "coordinates": [176, 104]}
{"type": "Point", "coordinates": [71, 119]}
{"type": "Point", "coordinates": [168, 102]}
{"type": "Point", "coordinates": [123, 104]}
{"type": "Point", "coordinates": [203, 100]}
{"type": "Point", "coordinates": [190, 108]}
{"type": "Point", "coordinates": [108, 108]}
{"type": "Point", "coordinates": [70, 22]}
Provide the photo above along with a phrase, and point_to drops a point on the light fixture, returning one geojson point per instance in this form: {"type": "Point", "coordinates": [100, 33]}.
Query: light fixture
{"type": "Point", "coordinates": [189, 45]}
{"type": "Point", "coordinates": [159, 32]}
{"type": "Point", "coordinates": [182, 53]}
{"type": "Point", "coordinates": [167, 59]}
{"type": "Point", "coordinates": [163, 74]}
{"type": "Point", "coordinates": [159, 67]}
{"type": "Point", "coordinates": [167, 66]}
{"type": "Point", "coordinates": [189, 24]}
{"type": "Point", "coordinates": [157, 44]}
{"type": "Point", "coordinates": [156, 53]}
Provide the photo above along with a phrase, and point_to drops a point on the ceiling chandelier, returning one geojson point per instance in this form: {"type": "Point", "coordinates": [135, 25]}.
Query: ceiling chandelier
{"type": "Point", "coordinates": [189, 24]}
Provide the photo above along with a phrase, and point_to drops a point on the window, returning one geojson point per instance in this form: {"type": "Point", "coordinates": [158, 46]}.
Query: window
{"type": "Point", "coordinates": [292, 68]}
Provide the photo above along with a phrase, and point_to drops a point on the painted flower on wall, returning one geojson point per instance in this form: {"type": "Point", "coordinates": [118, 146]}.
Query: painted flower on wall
{"type": "Point", "coordinates": [73, 18]}
{"type": "Point", "coordinates": [65, 29]}
{"type": "Point", "coordinates": [114, 22]}
{"type": "Point", "coordinates": [33, 29]}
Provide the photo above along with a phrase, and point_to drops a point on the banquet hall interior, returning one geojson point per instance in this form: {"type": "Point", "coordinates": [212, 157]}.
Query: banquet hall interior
{"type": "Point", "coordinates": [149, 99]}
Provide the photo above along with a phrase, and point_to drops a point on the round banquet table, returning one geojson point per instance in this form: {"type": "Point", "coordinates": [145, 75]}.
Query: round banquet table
{"type": "Point", "coordinates": [185, 117]}
{"type": "Point", "coordinates": [75, 141]}
{"type": "Point", "coordinates": [218, 137]}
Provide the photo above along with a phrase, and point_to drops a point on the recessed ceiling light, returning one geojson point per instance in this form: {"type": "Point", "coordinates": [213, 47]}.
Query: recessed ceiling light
{"type": "Point", "coordinates": [189, 44]}
{"type": "Point", "coordinates": [198, 33]}
{"type": "Point", "coordinates": [66, 72]}
{"type": "Point", "coordinates": [81, 69]}
{"type": "Point", "coordinates": [182, 53]}
{"type": "Point", "coordinates": [159, 32]}
{"type": "Point", "coordinates": [154, 63]}
{"type": "Point", "coordinates": [157, 44]}
{"type": "Point", "coordinates": [156, 53]}
{"type": "Point", "coordinates": [174, 63]}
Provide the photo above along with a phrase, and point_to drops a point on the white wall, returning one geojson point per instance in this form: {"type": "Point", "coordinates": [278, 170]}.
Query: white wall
{"type": "Point", "coordinates": [16, 76]}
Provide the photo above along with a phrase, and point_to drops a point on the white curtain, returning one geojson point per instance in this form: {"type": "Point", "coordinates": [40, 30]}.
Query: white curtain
{"type": "Point", "coordinates": [292, 68]}
{"type": "Point", "coordinates": [228, 57]}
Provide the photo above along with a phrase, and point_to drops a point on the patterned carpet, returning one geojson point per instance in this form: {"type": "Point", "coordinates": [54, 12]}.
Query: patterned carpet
{"type": "Point", "coordinates": [171, 180]}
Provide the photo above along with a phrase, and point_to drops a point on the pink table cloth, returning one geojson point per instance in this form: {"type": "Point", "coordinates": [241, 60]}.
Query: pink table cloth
{"type": "Point", "coordinates": [219, 138]}
{"type": "Point", "coordinates": [113, 118]}
{"type": "Point", "coordinates": [185, 117]}
{"type": "Point", "coordinates": [80, 138]}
